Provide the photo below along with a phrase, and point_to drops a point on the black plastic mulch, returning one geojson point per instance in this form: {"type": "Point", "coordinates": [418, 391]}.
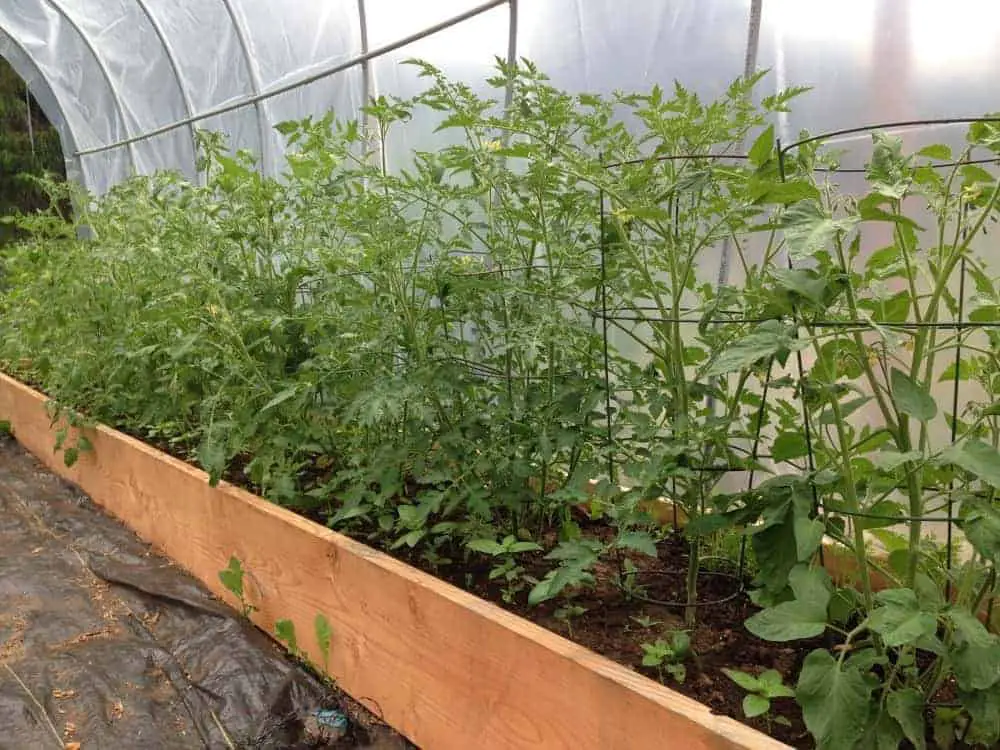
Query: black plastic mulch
{"type": "Point", "coordinates": [106, 644]}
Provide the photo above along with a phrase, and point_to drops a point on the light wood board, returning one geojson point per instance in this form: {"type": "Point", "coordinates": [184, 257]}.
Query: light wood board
{"type": "Point", "coordinates": [443, 667]}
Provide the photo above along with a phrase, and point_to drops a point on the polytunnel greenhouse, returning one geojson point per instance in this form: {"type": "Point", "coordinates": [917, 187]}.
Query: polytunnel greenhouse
{"type": "Point", "coordinates": [516, 374]}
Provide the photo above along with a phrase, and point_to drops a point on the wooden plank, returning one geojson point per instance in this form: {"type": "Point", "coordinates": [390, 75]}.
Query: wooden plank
{"type": "Point", "coordinates": [447, 669]}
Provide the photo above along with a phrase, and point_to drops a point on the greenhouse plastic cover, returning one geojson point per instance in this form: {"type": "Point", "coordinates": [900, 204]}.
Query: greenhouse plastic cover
{"type": "Point", "coordinates": [127, 82]}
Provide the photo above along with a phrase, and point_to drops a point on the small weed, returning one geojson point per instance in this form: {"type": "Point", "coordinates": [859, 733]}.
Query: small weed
{"type": "Point", "coordinates": [232, 578]}
{"type": "Point", "coordinates": [324, 635]}
{"type": "Point", "coordinates": [668, 657]}
{"type": "Point", "coordinates": [761, 690]}
{"type": "Point", "coordinates": [284, 630]}
{"type": "Point", "coordinates": [645, 621]}
{"type": "Point", "coordinates": [566, 615]}
{"type": "Point", "coordinates": [507, 567]}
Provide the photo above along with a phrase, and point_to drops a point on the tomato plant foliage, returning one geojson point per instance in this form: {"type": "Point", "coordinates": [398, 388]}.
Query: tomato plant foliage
{"type": "Point", "coordinates": [441, 353]}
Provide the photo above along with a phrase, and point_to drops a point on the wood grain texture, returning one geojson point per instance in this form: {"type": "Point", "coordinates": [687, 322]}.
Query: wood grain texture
{"type": "Point", "coordinates": [447, 669]}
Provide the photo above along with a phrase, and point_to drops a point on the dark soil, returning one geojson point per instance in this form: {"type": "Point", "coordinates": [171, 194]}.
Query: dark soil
{"type": "Point", "coordinates": [615, 623]}
{"type": "Point", "coordinates": [615, 626]}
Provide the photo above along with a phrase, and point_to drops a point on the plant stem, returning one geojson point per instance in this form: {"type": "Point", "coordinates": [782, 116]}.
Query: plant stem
{"type": "Point", "coordinates": [691, 610]}
{"type": "Point", "coordinates": [851, 498]}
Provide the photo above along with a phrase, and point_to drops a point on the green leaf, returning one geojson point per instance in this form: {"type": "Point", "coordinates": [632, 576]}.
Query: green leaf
{"type": "Point", "coordinates": [755, 705]}
{"type": "Point", "coordinates": [884, 734]}
{"type": "Point", "coordinates": [885, 263]}
{"type": "Point", "coordinates": [936, 151]}
{"type": "Point", "coordinates": [846, 409]}
{"type": "Point", "coordinates": [773, 686]}
{"type": "Point", "coordinates": [280, 398]}
{"type": "Point", "coordinates": [768, 340]}
{"type": "Point", "coordinates": [409, 539]}
{"type": "Point", "coordinates": [783, 193]}
{"type": "Point", "coordinates": [485, 546]}
{"type": "Point", "coordinates": [518, 548]}
{"type": "Point", "coordinates": [835, 701]}
{"type": "Point", "coordinates": [844, 603]}
{"type": "Point", "coordinates": [556, 581]}
{"type": "Point", "coordinates": [324, 635]}
{"type": "Point", "coordinates": [978, 458]}
{"type": "Point", "coordinates": [71, 455]}
{"type": "Point", "coordinates": [907, 707]}
{"type": "Point", "coordinates": [640, 541]}
{"type": "Point", "coordinates": [976, 655]}
{"type": "Point", "coordinates": [977, 667]}
{"type": "Point", "coordinates": [232, 577]}
{"type": "Point", "coordinates": [789, 445]}
{"type": "Point", "coordinates": [285, 631]}
{"type": "Point", "coordinates": [888, 171]}
{"type": "Point", "coordinates": [888, 460]}
{"type": "Point", "coordinates": [680, 644]}
{"type": "Point", "coordinates": [865, 659]}
{"type": "Point", "coordinates": [763, 146]}
{"type": "Point", "coordinates": [810, 229]}
{"type": "Point", "coordinates": [804, 616]}
{"type": "Point", "coordinates": [808, 536]}
{"type": "Point", "coordinates": [944, 727]}
{"type": "Point", "coordinates": [776, 553]}
{"type": "Point", "coordinates": [899, 619]}
{"type": "Point", "coordinates": [968, 628]}
{"type": "Point", "coordinates": [984, 709]}
{"type": "Point", "coordinates": [981, 525]}
{"type": "Point", "coordinates": [870, 210]}
{"type": "Point", "coordinates": [746, 681]}
{"type": "Point", "coordinates": [886, 509]}
{"type": "Point", "coordinates": [911, 399]}
{"type": "Point", "coordinates": [803, 282]}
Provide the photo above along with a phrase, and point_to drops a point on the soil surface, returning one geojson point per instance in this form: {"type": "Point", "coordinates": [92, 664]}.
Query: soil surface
{"type": "Point", "coordinates": [105, 644]}
{"type": "Point", "coordinates": [616, 624]}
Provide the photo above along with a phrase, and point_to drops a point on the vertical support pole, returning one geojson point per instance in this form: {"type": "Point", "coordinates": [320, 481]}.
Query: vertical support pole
{"type": "Point", "coordinates": [749, 68]}
{"type": "Point", "coordinates": [609, 434]}
{"type": "Point", "coordinates": [31, 124]}
{"type": "Point", "coordinates": [263, 124]}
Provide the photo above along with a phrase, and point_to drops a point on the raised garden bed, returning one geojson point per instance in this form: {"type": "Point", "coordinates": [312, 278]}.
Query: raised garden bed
{"type": "Point", "coordinates": [442, 666]}
{"type": "Point", "coordinates": [436, 361]}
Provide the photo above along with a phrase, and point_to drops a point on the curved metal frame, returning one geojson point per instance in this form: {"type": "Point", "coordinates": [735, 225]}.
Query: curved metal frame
{"type": "Point", "coordinates": [175, 66]}
{"type": "Point", "coordinates": [48, 101]}
{"type": "Point", "coordinates": [256, 87]}
{"type": "Point", "coordinates": [105, 73]}
{"type": "Point", "coordinates": [259, 95]}
{"type": "Point", "coordinates": [324, 72]}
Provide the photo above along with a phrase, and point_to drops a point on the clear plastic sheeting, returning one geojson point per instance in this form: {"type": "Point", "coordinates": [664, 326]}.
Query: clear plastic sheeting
{"type": "Point", "coordinates": [127, 82]}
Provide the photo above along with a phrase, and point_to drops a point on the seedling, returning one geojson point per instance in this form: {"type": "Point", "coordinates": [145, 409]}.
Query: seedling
{"type": "Point", "coordinates": [567, 613]}
{"type": "Point", "coordinates": [324, 635]}
{"type": "Point", "coordinates": [507, 566]}
{"type": "Point", "coordinates": [232, 578]}
{"type": "Point", "coordinates": [72, 421]}
{"type": "Point", "coordinates": [284, 630]}
{"type": "Point", "coordinates": [668, 657]}
{"type": "Point", "coordinates": [761, 690]}
{"type": "Point", "coordinates": [645, 621]}
{"type": "Point", "coordinates": [628, 579]}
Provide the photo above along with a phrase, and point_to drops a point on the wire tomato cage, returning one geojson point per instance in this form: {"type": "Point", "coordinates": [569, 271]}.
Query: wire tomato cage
{"type": "Point", "coordinates": [648, 314]}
